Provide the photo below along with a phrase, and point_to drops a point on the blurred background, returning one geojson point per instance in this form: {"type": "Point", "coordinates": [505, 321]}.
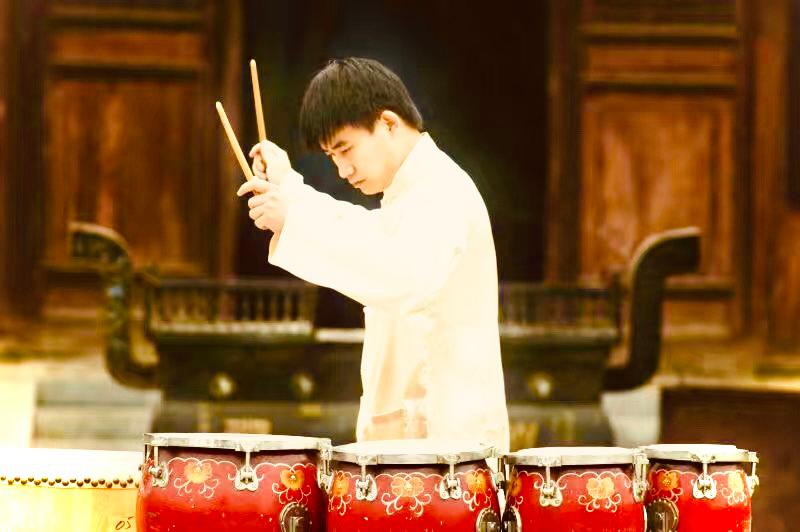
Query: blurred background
{"type": "Point", "coordinates": [588, 126]}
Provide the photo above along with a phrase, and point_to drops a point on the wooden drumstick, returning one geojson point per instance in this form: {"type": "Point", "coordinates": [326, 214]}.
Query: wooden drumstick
{"type": "Point", "coordinates": [262, 129]}
{"type": "Point", "coordinates": [237, 150]}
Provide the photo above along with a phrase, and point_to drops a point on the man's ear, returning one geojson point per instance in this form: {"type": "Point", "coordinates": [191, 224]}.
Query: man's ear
{"type": "Point", "coordinates": [390, 119]}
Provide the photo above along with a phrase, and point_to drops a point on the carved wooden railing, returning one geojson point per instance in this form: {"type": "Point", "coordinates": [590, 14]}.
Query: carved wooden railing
{"type": "Point", "coordinates": [547, 321]}
{"type": "Point", "coordinates": [540, 324]}
{"type": "Point", "coordinates": [232, 310]}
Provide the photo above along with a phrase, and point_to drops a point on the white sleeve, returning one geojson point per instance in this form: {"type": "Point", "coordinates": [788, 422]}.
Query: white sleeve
{"type": "Point", "coordinates": [354, 250]}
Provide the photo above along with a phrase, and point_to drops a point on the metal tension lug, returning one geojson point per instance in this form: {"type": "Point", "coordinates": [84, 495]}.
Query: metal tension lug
{"type": "Point", "coordinates": [246, 478]}
{"type": "Point", "coordinates": [752, 479]}
{"type": "Point", "coordinates": [159, 471]}
{"type": "Point", "coordinates": [550, 494]}
{"type": "Point", "coordinates": [366, 487]}
{"type": "Point", "coordinates": [640, 463]}
{"type": "Point", "coordinates": [450, 487]}
{"type": "Point", "coordinates": [705, 487]}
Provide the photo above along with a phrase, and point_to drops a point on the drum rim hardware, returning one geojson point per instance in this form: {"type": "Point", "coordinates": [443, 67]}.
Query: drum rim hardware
{"type": "Point", "coordinates": [237, 442]}
{"type": "Point", "coordinates": [450, 486]}
{"type": "Point", "coordinates": [324, 471]}
{"type": "Point", "coordinates": [343, 453]}
{"type": "Point", "coordinates": [752, 479]}
{"type": "Point", "coordinates": [246, 478]}
{"type": "Point", "coordinates": [541, 456]}
{"type": "Point", "coordinates": [550, 495]}
{"type": "Point", "coordinates": [640, 484]}
{"type": "Point", "coordinates": [706, 486]}
{"type": "Point", "coordinates": [366, 486]}
{"type": "Point", "coordinates": [699, 453]}
{"type": "Point", "coordinates": [159, 470]}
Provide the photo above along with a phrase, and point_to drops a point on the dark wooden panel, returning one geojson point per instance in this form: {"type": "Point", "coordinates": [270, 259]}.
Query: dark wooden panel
{"type": "Point", "coordinates": [661, 11]}
{"type": "Point", "coordinates": [24, 185]}
{"type": "Point", "coordinates": [661, 64]}
{"type": "Point", "coordinates": [763, 421]}
{"type": "Point", "coordinates": [563, 187]}
{"type": "Point", "coordinates": [793, 107]}
{"type": "Point", "coordinates": [652, 163]}
{"type": "Point", "coordinates": [179, 50]}
{"type": "Point", "coordinates": [785, 293]}
{"type": "Point", "coordinates": [158, 4]}
{"type": "Point", "coordinates": [5, 33]}
{"type": "Point", "coordinates": [129, 155]}
{"type": "Point", "coordinates": [776, 228]}
{"type": "Point", "coordinates": [642, 62]}
{"type": "Point", "coordinates": [120, 16]}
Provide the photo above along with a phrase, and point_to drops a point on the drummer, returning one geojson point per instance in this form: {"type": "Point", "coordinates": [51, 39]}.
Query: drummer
{"type": "Point", "coordinates": [423, 264]}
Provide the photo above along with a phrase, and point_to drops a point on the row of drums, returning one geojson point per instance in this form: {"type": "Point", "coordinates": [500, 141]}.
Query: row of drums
{"type": "Point", "coordinates": [246, 482]}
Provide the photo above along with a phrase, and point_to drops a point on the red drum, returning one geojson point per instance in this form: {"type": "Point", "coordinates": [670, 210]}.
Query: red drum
{"type": "Point", "coordinates": [700, 488]}
{"type": "Point", "coordinates": [239, 482]}
{"type": "Point", "coordinates": [401, 485]}
{"type": "Point", "coordinates": [571, 489]}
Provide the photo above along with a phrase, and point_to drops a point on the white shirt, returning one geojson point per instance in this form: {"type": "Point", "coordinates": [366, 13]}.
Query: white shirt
{"type": "Point", "coordinates": [424, 267]}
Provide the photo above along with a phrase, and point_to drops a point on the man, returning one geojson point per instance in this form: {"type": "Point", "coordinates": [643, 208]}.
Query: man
{"type": "Point", "coordinates": [423, 264]}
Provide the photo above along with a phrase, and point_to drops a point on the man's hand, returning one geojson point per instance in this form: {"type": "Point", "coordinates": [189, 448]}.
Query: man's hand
{"type": "Point", "coordinates": [270, 162]}
{"type": "Point", "coordinates": [267, 206]}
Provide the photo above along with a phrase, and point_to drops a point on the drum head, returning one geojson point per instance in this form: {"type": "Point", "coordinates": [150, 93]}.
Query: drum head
{"type": "Point", "coordinates": [572, 456]}
{"type": "Point", "coordinates": [70, 467]}
{"type": "Point", "coordinates": [236, 442]}
{"type": "Point", "coordinates": [399, 452]}
{"type": "Point", "coordinates": [699, 452]}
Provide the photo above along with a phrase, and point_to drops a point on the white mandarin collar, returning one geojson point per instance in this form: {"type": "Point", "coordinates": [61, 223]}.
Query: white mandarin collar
{"type": "Point", "coordinates": [412, 169]}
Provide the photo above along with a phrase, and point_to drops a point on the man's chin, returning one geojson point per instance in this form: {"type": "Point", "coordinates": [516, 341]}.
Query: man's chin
{"type": "Point", "coordinates": [368, 191]}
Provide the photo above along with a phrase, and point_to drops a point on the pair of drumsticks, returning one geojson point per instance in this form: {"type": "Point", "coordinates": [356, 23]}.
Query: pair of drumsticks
{"type": "Point", "coordinates": [262, 130]}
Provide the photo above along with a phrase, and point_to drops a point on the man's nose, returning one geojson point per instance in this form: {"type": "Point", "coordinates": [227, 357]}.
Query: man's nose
{"type": "Point", "coordinates": [345, 170]}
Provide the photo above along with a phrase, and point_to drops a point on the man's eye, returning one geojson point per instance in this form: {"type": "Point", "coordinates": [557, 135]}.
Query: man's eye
{"type": "Point", "coordinates": [347, 149]}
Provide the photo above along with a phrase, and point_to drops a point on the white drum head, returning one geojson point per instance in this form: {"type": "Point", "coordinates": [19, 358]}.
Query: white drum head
{"type": "Point", "coordinates": [572, 456]}
{"type": "Point", "coordinates": [236, 442]}
{"type": "Point", "coordinates": [699, 452]}
{"type": "Point", "coordinates": [70, 467]}
{"type": "Point", "coordinates": [422, 451]}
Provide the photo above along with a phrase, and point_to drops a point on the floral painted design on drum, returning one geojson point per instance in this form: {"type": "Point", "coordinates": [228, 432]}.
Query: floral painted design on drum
{"type": "Point", "coordinates": [665, 484]}
{"type": "Point", "coordinates": [407, 493]}
{"type": "Point", "coordinates": [292, 486]}
{"type": "Point", "coordinates": [537, 482]}
{"type": "Point", "coordinates": [734, 492]}
{"type": "Point", "coordinates": [340, 493]}
{"type": "Point", "coordinates": [514, 485]}
{"type": "Point", "coordinates": [477, 492]}
{"type": "Point", "coordinates": [293, 478]}
{"type": "Point", "coordinates": [197, 474]}
{"type": "Point", "coordinates": [602, 493]}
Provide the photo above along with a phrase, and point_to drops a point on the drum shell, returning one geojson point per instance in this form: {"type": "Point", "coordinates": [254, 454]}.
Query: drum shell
{"type": "Point", "coordinates": [596, 498]}
{"type": "Point", "coordinates": [408, 498]}
{"type": "Point", "coordinates": [65, 490]}
{"type": "Point", "coordinates": [729, 511]}
{"type": "Point", "coordinates": [201, 494]}
{"type": "Point", "coordinates": [67, 509]}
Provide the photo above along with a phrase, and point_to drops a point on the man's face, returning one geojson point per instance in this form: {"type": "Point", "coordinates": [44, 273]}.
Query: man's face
{"type": "Point", "coordinates": [364, 158]}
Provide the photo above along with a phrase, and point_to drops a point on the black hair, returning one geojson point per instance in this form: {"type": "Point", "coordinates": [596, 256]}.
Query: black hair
{"type": "Point", "coordinates": [352, 92]}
